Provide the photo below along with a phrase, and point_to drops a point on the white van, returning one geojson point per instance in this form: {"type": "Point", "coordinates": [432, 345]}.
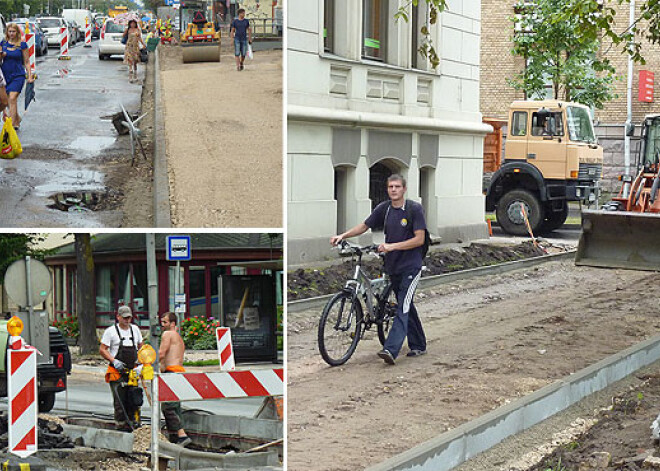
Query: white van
{"type": "Point", "coordinates": [77, 15]}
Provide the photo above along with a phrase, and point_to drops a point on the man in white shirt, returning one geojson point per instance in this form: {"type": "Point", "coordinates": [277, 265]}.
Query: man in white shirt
{"type": "Point", "coordinates": [119, 345]}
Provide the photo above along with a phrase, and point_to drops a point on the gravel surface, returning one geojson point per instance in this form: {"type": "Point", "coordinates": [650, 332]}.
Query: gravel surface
{"type": "Point", "coordinates": [223, 131]}
{"type": "Point", "coordinates": [491, 340]}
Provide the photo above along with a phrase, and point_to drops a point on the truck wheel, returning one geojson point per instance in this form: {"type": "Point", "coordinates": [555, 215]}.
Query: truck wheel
{"type": "Point", "coordinates": [554, 219]}
{"type": "Point", "coordinates": [46, 401]}
{"type": "Point", "coordinates": [510, 216]}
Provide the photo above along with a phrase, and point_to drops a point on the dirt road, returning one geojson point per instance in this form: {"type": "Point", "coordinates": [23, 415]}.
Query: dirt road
{"type": "Point", "coordinates": [491, 340]}
{"type": "Point", "coordinates": [224, 140]}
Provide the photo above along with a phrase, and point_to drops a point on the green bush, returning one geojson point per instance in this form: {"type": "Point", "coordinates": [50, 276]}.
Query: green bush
{"type": "Point", "coordinates": [198, 333]}
{"type": "Point", "coordinates": [68, 326]}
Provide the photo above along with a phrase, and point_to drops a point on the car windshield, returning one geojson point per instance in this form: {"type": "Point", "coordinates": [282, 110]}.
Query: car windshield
{"type": "Point", "coordinates": [112, 27]}
{"type": "Point", "coordinates": [580, 127]}
{"type": "Point", "coordinates": [50, 23]}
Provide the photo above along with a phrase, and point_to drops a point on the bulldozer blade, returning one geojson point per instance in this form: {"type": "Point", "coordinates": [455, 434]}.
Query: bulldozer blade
{"type": "Point", "coordinates": [201, 52]}
{"type": "Point", "coordinates": [616, 239]}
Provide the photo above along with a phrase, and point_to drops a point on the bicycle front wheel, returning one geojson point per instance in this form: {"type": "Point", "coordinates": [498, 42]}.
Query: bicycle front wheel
{"type": "Point", "coordinates": [339, 328]}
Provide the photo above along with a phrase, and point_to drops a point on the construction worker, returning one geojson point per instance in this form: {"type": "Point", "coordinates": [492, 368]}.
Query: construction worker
{"type": "Point", "coordinates": [119, 345]}
{"type": "Point", "coordinates": [171, 361]}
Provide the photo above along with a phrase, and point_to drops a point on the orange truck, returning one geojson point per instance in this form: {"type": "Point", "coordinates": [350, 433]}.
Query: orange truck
{"type": "Point", "coordinates": [551, 157]}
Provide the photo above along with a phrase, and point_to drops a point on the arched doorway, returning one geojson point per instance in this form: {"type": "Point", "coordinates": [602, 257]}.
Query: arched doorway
{"type": "Point", "coordinates": [341, 197]}
{"type": "Point", "coordinates": [378, 175]}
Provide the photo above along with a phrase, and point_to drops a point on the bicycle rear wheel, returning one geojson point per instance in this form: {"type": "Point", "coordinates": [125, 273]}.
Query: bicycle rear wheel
{"type": "Point", "coordinates": [339, 328]}
{"type": "Point", "coordinates": [387, 314]}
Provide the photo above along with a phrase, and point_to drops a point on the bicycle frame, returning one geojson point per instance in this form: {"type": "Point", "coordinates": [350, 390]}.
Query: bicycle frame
{"type": "Point", "coordinates": [366, 287]}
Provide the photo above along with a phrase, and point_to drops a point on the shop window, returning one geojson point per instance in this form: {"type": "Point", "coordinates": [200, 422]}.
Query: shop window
{"type": "Point", "coordinates": [197, 291]}
{"type": "Point", "coordinates": [105, 288]}
{"type": "Point", "coordinates": [374, 29]}
{"type": "Point", "coordinates": [140, 288]}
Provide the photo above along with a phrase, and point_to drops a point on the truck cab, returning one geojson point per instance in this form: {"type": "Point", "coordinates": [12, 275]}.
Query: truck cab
{"type": "Point", "coordinates": [551, 158]}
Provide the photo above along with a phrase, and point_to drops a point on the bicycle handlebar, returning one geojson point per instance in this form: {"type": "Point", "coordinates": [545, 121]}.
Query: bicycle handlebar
{"type": "Point", "coordinates": [371, 248]}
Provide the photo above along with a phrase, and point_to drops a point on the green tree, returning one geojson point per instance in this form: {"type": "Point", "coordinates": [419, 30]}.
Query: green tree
{"type": "Point", "coordinates": [556, 53]}
{"type": "Point", "coordinates": [597, 20]}
{"type": "Point", "coordinates": [426, 49]}
{"type": "Point", "coordinates": [85, 303]}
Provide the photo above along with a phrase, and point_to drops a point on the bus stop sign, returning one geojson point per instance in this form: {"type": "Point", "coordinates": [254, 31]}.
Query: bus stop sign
{"type": "Point", "coordinates": [179, 248]}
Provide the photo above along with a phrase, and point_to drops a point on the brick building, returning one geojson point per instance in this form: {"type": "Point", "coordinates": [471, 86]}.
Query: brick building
{"type": "Point", "coordinates": [498, 65]}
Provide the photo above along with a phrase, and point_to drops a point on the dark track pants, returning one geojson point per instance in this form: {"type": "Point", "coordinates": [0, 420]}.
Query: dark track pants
{"type": "Point", "coordinates": [406, 323]}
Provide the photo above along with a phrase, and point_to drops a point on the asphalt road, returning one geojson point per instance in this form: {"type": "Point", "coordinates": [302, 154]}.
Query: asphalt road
{"type": "Point", "coordinates": [65, 140]}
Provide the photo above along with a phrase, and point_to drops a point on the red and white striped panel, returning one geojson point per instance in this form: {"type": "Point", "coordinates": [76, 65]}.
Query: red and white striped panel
{"type": "Point", "coordinates": [30, 40]}
{"type": "Point", "coordinates": [22, 394]}
{"type": "Point", "coordinates": [230, 384]}
{"type": "Point", "coordinates": [88, 34]}
{"type": "Point", "coordinates": [64, 41]}
{"type": "Point", "coordinates": [225, 350]}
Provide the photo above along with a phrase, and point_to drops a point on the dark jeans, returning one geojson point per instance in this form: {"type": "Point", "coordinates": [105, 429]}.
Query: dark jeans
{"type": "Point", "coordinates": [120, 403]}
{"type": "Point", "coordinates": [406, 323]}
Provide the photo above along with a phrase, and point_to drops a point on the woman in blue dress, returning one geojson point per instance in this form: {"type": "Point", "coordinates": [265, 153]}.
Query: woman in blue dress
{"type": "Point", "coordinates": [15, 66]}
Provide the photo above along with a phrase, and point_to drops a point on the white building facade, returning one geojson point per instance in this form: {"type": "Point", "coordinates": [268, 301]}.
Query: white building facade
{"type": "Point", "coordinates": [363, 104]}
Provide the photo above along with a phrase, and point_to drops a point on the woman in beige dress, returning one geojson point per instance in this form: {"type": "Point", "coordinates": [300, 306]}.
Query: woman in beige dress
{"type": "Point", "coordinates": [133, 36]}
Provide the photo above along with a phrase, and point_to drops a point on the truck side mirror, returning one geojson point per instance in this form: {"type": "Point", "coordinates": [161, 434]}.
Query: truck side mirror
{"type": "Point", "coordinates": [630, 129]}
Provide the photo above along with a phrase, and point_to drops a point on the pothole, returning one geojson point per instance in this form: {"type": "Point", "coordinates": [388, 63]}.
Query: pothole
{"type": "Point", "coordinates": [85, 201]}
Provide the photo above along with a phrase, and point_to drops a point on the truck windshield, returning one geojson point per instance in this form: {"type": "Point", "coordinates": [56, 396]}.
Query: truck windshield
{"type": "Point", "coordinates": [580, 127]}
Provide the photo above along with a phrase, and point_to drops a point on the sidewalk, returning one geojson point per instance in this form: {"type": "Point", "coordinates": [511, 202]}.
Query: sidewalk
{"type": "Point", "coordinates": [223, 137]}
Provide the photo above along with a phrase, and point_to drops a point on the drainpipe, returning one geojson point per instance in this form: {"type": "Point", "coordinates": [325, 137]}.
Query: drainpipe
{"type": "Point", "coordinates": [626, 139]}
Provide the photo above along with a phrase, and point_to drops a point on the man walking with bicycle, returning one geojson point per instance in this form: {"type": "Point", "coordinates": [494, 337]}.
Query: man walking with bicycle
{"type": "Point", "coordinates": [405, 230]}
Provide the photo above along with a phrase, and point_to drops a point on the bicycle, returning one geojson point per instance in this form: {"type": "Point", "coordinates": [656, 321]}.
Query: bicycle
{"type": "Point", "coordinates": [343, 321]}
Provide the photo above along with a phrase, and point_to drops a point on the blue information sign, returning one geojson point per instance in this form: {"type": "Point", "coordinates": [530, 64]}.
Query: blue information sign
{"type": "Point", "coordinates": [178, 248]}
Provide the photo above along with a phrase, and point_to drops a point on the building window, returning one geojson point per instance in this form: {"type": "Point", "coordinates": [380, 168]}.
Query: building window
{"type": "Point", "coordinates": [105, 288]}
{"type": "Point", "coordinates": [374, 29]}
{"type": "Point", "coordinates": [414, 21]}
{"type": "Point", "coordinates": [328, 25]}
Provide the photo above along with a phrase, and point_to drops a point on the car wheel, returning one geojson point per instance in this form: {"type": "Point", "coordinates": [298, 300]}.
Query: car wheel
{"type": "Point", "coordinates": [46, 402]}
{"type": "Point", "coordinates": [102, 57]}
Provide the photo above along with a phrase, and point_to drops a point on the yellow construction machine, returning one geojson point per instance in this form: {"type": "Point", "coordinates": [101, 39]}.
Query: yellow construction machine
{"type": "Point", "coordinates": [200, 42]}
{"type": "Point", "coordinates": [625, 233]}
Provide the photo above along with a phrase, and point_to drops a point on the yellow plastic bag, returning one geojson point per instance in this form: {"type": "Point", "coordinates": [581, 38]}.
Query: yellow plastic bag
{"type": "Point", "coordinates": [10, 145]}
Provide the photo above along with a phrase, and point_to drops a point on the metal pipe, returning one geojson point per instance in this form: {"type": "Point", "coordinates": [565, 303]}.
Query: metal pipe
{"type": "Point", "coordinates": [626, 137]}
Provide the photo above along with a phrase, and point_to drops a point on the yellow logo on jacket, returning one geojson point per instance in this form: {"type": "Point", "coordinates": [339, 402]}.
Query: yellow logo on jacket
{"type": "Point", "coordinates": [404, 222]}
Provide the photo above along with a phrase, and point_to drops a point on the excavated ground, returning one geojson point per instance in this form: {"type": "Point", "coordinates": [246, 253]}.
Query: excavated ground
{"type": "Point", "coordinates": [491, 340]}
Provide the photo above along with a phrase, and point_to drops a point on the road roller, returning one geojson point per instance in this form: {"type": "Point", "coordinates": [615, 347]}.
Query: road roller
{"type": "Point", "coordinates": [200, 42]}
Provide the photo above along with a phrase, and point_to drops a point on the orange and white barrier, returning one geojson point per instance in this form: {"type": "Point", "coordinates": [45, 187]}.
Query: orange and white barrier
{"type": "Point", "coordinates": [225, 350]}
{"type": "Point", "coordinates": [30, 40]}
{"type": "Point", "coordinates": [64, 42]}
{"type": "Point", "coordinates": [22, 394]}
{"type": "Point", "coordinates": [88, 33]}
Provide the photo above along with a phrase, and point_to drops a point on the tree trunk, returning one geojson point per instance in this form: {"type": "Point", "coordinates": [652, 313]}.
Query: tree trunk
{"type": "Point", "coordinates": [85, 305]}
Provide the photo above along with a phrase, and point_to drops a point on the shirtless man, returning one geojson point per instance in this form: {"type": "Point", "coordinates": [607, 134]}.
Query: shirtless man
{"type": "Point", "coordinates": [171, 361]}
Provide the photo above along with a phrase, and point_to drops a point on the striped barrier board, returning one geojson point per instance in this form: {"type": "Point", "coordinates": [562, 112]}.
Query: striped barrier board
{"type": "Point", "coordinates": [30, 40]}
{"type": "Point", "coordinates": [88, 33]}
{"type": "Point", "coordinates": [225, 350]}
{"type": "Point", "coordinates": [22, 394]}
{"type": "Point", "coordinates": [64, 41]}
{"type": "Point", "coordinates": [230, 384]}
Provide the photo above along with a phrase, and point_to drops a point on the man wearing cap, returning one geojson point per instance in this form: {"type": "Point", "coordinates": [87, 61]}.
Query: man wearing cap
{"type": "Point", "coordinates": [119, 345]}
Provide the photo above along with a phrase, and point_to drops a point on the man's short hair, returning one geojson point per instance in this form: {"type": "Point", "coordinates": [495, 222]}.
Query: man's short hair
{"type": "Point", "coordinates": [170, 316]}
{"type": "Point", "coordinates": [240, 10]}
{"type": "Point", "coordinates": [397, 177]}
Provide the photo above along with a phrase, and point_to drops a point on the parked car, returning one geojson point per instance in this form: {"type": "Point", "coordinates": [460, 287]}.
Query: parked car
{"type": "Point", "coordinates": [110, 41]}
{"type": "Point", "coordinates": [40, 42]}
{"type": "Point", "coordinates": [51, 26]}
